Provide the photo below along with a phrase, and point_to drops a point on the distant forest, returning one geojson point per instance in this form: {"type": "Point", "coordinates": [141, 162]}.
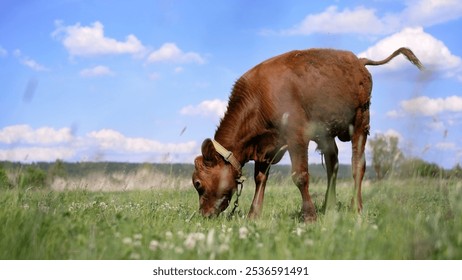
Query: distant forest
{"type": "Point", "coordinates": [44, 174]}
{"type": "Point", "coordinates": [79, 169]}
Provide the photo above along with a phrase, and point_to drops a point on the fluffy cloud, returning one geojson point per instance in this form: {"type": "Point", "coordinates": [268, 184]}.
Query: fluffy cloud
{"type": "Point", "coordinates": [215, 107]}
{"type": "Point", "coordinates": [22, 143]}
{"type": "Point", "coordinates": [36, 153]}
{"type": "Point", "coordinates": [108, 139]}
{"type": "Point", "coordinates": [96, 71]}
{"type": "Point", "coordinates": [362, 20]}
{"type": "Point", "coordinates": [432, 52]}
{"type": "Point", "coordinates": [26, 134]}
{"type": "Point", "coordinates": [359, 20]}
{"type": "Point", "coordinates": [90, 41]}
{"type": "Point", "coordinates": [169, 52]}
{"type": "Point", "coordinates": [431, 12]}
{"type": "Point", "coordinates": [426, 106]}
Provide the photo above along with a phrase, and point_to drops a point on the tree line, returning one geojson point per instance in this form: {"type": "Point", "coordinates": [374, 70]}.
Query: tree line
{"type": "Point", "coordinates": [387, 161]}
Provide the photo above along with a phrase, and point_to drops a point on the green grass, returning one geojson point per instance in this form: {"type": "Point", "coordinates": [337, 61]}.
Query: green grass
{"type": "Point", "coordinates": [413, 219]}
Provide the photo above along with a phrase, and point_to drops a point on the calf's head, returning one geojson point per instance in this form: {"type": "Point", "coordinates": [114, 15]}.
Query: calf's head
{"type": "Point", "coordinates": [214, 180]}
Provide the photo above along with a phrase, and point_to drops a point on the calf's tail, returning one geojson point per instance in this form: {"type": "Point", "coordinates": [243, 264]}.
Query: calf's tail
{"type": "Point", "coordinates": [404, 51]}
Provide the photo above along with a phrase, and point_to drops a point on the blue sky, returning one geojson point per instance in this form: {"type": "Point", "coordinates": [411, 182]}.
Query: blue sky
{"type": "Point", "coordinates": [147, 81]}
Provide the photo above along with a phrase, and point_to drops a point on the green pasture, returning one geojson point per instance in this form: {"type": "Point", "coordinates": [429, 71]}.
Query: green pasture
{"type": "Point", "coordinates": [406, 219]}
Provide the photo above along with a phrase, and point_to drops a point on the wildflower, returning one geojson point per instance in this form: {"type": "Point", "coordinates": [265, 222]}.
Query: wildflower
{"type": "Point", "coordinates": [192, 239]}
{"type": "Point", "coordinates": [154, 245]}
{"type": "Point", "coordinates": [190, 242]}
{"type": "Point", "coordinates": [243, 232]}
{"type": "Point", "coordinates": [103, 205]}
{"type": "Point", "coordinates": [298, 231]}
{"type": "Point", "coordinates": [137, 236]}
{"type": "Point", "coordinates": [169, 235]}
{"type": "Point", "coordinates": [127, 241]}
{"type": "Point", "coordinates": [179, 250]}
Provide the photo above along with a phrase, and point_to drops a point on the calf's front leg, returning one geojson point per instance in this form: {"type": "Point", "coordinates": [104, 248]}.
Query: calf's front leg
{"type": "Point", "coordinates": [260, 177]}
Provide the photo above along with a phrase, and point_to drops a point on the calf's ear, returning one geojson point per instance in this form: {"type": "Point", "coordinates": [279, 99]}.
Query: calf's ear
{"type": "Point", "coordinates": [208, 151]}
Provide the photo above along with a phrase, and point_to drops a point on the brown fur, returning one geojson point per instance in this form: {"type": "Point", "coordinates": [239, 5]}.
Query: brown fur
{"type": "Point", "coordinates": [291, 99]}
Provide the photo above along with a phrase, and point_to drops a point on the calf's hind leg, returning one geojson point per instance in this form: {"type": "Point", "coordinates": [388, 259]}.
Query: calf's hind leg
{"type": "Point", "coordinates": [330, 151]}
{"type": "Point", "coordinates": [358, 161]}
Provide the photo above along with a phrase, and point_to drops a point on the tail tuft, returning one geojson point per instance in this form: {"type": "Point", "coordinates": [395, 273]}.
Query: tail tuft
{"type": "Point", "coordinates": [404, 51]}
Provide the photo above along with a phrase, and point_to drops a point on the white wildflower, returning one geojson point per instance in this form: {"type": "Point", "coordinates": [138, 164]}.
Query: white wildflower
{"type": "Point", "coordinates": [154, 245]}
{"type": "Point", "coordinates": [102, 205]}
{"type": "Point", "coordinates": [190, 242]}
{"type": "Point", "coordinates": [127, 241]}
{"type": "Point", "coordinates": [243, 232]}
{"type": "Point", "coordinates": [298, 231]}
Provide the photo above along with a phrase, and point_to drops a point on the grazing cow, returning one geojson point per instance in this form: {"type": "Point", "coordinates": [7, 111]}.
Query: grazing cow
{"type": "Point", "coordinates": [280, 105]}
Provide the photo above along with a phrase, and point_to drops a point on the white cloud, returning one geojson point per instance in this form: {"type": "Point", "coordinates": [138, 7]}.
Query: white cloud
{"type": "Point", "coordinates": [22, 143]}
{"type": "Point", "coordinates": [432, 52]}
{"type": "Point", "coordinates": [393, 114]}
{"type": "Point", "coordinates": [26, 134]}
{"type": "Point", "coordinates": [90, 41]}
{"type": "Point", "coordinates": [36, 154]}
{"type": "Point", "coordinates": [427, 106]}
{"type": "Point", "coordinates": [169, 52]}
{"type": "Point", "coordinates": [96, 71]}
{"type": "Point", "coordinates": [32, 64]}
{"type": "Point", "coordinates": [362, 20]}
{"type": "Point", "coordinates": [431, 12]}
{"type": "Point", "coordinates": [215, 107]}
{"type": "Point", "coordinates": [359, 20]}
{"type": "Point", "coordinates": [108, 139]}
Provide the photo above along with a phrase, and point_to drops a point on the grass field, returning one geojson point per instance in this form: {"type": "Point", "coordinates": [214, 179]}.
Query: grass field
{"type": "Point", "coordinates": [410, 219]}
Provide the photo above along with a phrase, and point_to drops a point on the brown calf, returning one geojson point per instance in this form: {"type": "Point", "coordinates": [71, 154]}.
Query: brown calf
{"type": "Point", "coordinates": [282, 104]}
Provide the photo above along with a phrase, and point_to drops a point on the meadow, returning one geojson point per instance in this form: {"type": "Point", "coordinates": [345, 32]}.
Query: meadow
{"type": "Point", "coordinates": [403, 219]}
